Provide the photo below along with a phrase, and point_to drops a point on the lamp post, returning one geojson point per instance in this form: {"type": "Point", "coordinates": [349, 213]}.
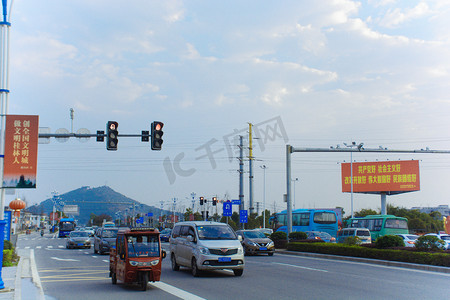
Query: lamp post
{"type": "Point", "coordinates": [295, 181]}
{"type": "Point", "coordinates": [359, 146]}
{"type": "Point", "coordinates": [264, 196]}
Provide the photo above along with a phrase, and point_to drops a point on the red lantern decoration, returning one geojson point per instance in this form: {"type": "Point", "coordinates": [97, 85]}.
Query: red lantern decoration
{"type": "Point", "coordinates": [17, 205]}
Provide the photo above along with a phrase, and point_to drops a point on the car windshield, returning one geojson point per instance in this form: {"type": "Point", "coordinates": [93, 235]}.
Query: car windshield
{"type": "Point", "coordinates": [254, 235]}
{"type": "Point", "coordinates": [78, 234]}
{"type": "Point", "coordinates": [412, 237]}
{"type": "Point", "coordinates": [215, 232]}
{"type": "Point", "coordinates": [166, 231]}
{"type": "Point", "coordinates": [143, 246]}
{"type": "Point", "coordinates": [109, 233]}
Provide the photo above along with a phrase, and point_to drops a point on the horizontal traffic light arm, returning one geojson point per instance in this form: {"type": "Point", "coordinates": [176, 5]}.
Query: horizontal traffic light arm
{"type": "Point", "coordinates": [83, 135]}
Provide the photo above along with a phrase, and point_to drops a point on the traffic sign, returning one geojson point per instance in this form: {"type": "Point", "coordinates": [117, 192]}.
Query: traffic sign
{"type": "Point", "coordinates": [243, 216]}
{"type": "Point", "coordinates": [227, 209]}
{"type": "Point", "coordinates": [149, 214]}
{"type": "Point", "coordinates": [236, 202]}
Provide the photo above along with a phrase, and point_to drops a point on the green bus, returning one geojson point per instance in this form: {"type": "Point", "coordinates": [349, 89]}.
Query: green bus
{"type": "Point", "coordinates": [380, 225]}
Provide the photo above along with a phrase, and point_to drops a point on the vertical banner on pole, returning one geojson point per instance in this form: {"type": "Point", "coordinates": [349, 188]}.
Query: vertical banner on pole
{"type": "Point", "coordinates": [21, 146]}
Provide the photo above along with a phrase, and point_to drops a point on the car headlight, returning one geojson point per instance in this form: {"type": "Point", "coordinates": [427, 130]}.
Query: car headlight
{"type": "Point", "coordinates": [154, 262]}
{"type": "Point", "coordinates": [240, 250]}
{"type": "Point", "coordinates": [203, 250]}
{"type": "Point", "coordinates": [253, 244]}
{"type": "Point", "coordinates": [270, 244]}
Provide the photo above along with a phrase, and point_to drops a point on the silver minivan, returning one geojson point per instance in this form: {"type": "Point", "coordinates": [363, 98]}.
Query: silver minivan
{"type": "Point", "coordinates": [201, 245]}
{"type": "Point", "coordinates": [362, 233]}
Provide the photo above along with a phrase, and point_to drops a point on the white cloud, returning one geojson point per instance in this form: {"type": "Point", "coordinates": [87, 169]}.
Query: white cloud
{"type": "Point", "coordinates": [397, 16]}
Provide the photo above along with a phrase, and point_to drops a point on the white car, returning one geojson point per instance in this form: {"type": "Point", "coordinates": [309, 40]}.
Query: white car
{"type": "Point", "coordinates": [409, 239]}
{"type": "Point", "coordinates": [206, 246]}
{"type": "Point", "coordinates": [444, 237]}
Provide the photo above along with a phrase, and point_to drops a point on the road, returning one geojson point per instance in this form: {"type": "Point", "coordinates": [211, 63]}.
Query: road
{"type": "Point", "coordinates": [81, 274]}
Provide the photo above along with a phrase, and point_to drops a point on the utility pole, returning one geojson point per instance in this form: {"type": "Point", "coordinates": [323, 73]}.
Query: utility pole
{"type": "Point", "coordinates": [241, 174]}
{"type": "Point", "coordinates": [250, 162]}
{"type": "Point", "coordinates": [264, 196]}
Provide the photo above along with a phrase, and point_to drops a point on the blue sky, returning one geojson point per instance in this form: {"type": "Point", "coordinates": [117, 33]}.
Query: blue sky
{"type": "Point", "coordinates": [327, 71]}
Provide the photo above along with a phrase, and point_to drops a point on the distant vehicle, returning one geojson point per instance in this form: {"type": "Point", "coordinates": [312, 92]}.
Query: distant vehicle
{"type": "Point", "coordinates": [206, 246]}
{"type": "Point", "coordinates": [165, 234]}
{"type": "Point", "coordinates": [78, 239]}
{"type": "Point", "coordinates": [381, 225]}
{"type": "Point", "coordinates": [66, 225]}
{"type": "Point", "coordinates": [362, 233]}
{"type": "Point", "coordinates": [89, 230]}
{"type": "Point", "coordinates": [307, 220]}
{"type": "Point", "coordinates": [109, 224]}
{"type": "Point", "coordinates": [255, 241]}
{"type": "Point", "coordinates": [409, 239]}
{"type": "Point", "coordinates": [137, 258]}
{"type": "Point", "coordinates": [319, 235]}
{"type": "Point", "coordinates": [444, 237]}
{"type": "Point", "coordinates": [105, 239]}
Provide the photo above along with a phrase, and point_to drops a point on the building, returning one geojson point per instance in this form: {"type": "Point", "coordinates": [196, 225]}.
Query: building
{"type": "Point", "coordinates": [443, 209]}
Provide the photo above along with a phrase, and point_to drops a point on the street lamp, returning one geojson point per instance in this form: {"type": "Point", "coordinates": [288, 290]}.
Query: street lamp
{"type": "Point", "coordinates": [264, 196]}
{"type": "Point", "coordinates": [359, 146]}
{"type": "Point", "coordinates": [294, 180]}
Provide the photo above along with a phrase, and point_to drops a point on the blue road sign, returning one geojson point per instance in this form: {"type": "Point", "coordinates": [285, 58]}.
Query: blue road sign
{"type": "Point", "coordinates": [7, 218]}
{"type": "Point", "coordinates": [227, 209]}
{"type": "Point", "coordinates": [150, 214]}
{"type": "Point", "coordinates": [139, 220]}
{"type": "Point", "coordinates": [236, 202]}
{"type": "Point", "coordinates": [243, 216]}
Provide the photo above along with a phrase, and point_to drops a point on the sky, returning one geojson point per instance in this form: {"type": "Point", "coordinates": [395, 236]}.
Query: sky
{"type": "Point", "coordinates": [304, 73]}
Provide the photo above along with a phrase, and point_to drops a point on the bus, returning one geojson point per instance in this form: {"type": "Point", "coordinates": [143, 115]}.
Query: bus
{"type": "Point", "coordinates": [380, 225]}
{"type": "Point", "coordinates": [66, 225]}
{"type": "Point", "coordinates": [307, 220]}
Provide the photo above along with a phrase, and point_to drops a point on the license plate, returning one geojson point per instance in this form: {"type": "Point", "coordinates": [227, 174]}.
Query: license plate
{"type": "Point", "coordinates": [80, 244]}
{"type": "Point", "coordinates": [224, 259]}
{"type": "Point", "coordinates": [263, 248]}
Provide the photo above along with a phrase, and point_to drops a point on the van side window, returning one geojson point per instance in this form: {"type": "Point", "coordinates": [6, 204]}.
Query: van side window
{"type": "Point", "coordinates": [184, 231]}
{"type": "Point", "coordinates": [191, 232]}
{"type": "Point", "coordinates": [176, 231]}
{"type": "Point", "coordinates": [351, 232]}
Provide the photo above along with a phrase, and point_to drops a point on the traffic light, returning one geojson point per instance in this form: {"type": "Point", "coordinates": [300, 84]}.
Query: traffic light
{"type": "Point", "coordinates": [157, 134]}
{"type": "Point", "coordinates": [112, 135]}
{"type": "Point", "coordinates": [214, 201]}
{"type": "Point", "coordinates": [201, 200]}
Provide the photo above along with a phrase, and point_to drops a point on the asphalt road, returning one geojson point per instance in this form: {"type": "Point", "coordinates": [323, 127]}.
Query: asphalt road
{"type": "Point", "coordinates": [81, 274]}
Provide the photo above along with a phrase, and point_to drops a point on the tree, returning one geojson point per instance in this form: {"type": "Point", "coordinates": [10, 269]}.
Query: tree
{"type": "Point", "coordinates": [365, 212]}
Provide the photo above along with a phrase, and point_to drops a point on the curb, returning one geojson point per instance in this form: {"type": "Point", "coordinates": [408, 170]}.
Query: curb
{"type": "Point", "coordinates": [370, 261]}
{"type": "Point", "coordinates": [27, 269]}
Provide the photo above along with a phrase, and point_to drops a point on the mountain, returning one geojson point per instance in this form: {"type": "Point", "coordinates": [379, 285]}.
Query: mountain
{"type": "Point", "coordinates": [99, 200]}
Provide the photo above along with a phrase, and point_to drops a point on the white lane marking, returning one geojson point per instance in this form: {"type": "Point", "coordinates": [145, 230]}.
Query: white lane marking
{"type": "Point", "coordinates": [60, 246]}
{"type": "Point", "coordinates": [175, 291]}
{"type": "Point", "coordinates": [27, 247]}
{"type": "Point", "coordinates": [106, 260]}
{"type": "Point", "coordinates": [86, 252]}
{"type": "Point", "coordinates": [38, 247]}
{"type": "Point", "coordinates": [49, 246]}
{"type": "Point", "coordinates": [63, 259]}
{"type": "Point", "coordinates": [94, 256]}
{"type": "Point", "coordinates": [300, 267]}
